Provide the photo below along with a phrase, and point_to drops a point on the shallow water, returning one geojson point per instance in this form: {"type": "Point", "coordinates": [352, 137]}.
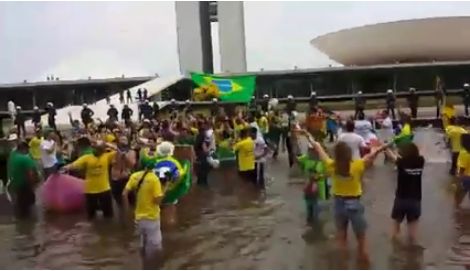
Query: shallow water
{"type": "Point", "coordinates": [232, 227]}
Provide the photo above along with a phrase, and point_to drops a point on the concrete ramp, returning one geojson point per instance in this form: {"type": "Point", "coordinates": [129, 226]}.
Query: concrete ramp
{"type": "Point", "coordinates": [101, 107]}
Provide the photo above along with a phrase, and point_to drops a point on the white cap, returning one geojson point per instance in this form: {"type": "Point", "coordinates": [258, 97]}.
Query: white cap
{"type": "Point", "coordinates": [359, 92]}
{"type": "Point", "coordinates": [266, 96]}
{"type": "Point", "coordinates": [314, 93]}
{"type": "Point", "coordinates": [50, 104]}
{"type": "Point", "coordinates": [290, 97]}
{"type": "Point", "coordinates": [35, 108]}
{"type": "Point", "coordinates": [214, 99]}
{"type": "Point", "coordinates": [165, 148]}
{"type": "Point", "coordinates": [466, 85]}
{"type": "Point", "coordinates": [188, 101]}
{"type": "Point", "coordinates": [294, 113]}
{"type": "Point", "coordinates": [18, 107]}
{"type": "Point", "coordinates": [146, 121]}
{"type": "Point", "coordinates": [389, 91]}
{"type": "Point", "coordinates": [85, 105]}
{"type": "Point", "coordinates": [252, 97]}
{"type": "Point", "coordinates": [146, 101]}
{"type": "Point", "coordinates": [412, 89]}
{"type": "Point", "coordinates": [172, 100]}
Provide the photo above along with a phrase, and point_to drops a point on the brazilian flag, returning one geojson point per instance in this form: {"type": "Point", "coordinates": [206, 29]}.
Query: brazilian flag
{"type": "Point", "coordinates": [224, 152]}
{"type": "Point", "coordinates": [230, 89]}
{"type": "Point", "coordinates": [404, 136]}
{"type": "Point", "coordinates": [179, 187]}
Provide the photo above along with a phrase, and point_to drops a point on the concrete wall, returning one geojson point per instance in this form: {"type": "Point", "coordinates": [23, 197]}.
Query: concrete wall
{"type": "Point", "coordinates": [232, 36]}
{"type": "Point", "coordinates": [194, 36]}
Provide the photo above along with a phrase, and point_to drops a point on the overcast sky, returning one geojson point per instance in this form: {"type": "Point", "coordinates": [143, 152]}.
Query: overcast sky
{"type": "Point", "coordinates": [106, 39]}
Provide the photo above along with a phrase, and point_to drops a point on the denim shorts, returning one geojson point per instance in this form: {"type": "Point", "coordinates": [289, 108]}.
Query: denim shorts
{"type": "Point", "coordinates": [350, 209]}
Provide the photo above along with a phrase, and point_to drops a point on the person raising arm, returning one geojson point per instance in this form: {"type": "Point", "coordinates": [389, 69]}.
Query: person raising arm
{"type": "Point", "coordinates": [346, 175]}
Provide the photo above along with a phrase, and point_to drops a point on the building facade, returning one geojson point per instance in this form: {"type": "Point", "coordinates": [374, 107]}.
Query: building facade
{"type": "Point", "coordinates": [193, 23]}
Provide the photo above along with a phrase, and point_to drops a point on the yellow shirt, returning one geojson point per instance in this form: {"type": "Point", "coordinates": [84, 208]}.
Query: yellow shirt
{"type": "Point", "coordinates": [449, 112]}
{"type": "Point", "coordinates": [347, 186]}
{"type": "Point", "coordinates": [35, 147]}
{"type": "Point", "coordinates": [454, 133]}
{"type": "Point", "coordinates": [96, 171]}
{"type": "Point", "coordinates": [238, 127]}
{"type": "Point", "coordinates": [151, 188]}
{"type": "Point", "coordinates": [263, 125]}
{"type": "Point", "coordinates": [245, 152]}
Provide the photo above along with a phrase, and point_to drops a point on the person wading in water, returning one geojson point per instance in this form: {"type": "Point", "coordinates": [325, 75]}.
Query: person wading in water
{"type": "Point", "coordinates": [121, 167]}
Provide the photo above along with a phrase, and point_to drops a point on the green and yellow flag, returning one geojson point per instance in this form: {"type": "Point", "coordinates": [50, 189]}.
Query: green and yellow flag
{"type": "Point", "coordinates": [228, 89]}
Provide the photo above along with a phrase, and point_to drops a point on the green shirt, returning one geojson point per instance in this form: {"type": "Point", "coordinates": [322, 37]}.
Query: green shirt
{"type": "Point", "coordinates": [186, 140]}
{"type": "Point", "coordinates": [18, 166]}
{"type": "Point", "coordinates": [310, 167]}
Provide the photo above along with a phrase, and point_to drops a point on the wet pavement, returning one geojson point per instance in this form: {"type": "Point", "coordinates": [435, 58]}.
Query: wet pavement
{"type": "Point", "coordinates": [231, 226]}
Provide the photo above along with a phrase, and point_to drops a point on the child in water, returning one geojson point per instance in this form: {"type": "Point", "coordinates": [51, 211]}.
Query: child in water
{"type": "Point", "coordinates": [316, 188]}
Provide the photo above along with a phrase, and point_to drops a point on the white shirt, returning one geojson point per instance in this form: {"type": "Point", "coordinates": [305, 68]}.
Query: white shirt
{"type": "Point", "coordinates": [48, 160]}
{"type": "Point", "coordinates": [210, 138]}
{"type": "Point", "coordinates": [255, 125]}
{"type": "Point", "coordinates": [260, 146]}
{"type": "Point", "coordinates": [387, 129]}
{"type": "Point", "coordinates": [363, 128]}
{"type": "Point", "coordinates": [11, 108]}
{"type": "Point", "coordinates": [354, 141]}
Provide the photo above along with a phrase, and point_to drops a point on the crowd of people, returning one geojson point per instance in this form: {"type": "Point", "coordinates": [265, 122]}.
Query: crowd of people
{"type": "Point", "coordinates": [135, 163]}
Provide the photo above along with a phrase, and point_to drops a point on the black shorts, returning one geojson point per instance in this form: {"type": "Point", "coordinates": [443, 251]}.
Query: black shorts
{"type": "Point", "coordinates": [406, 208]}
{"type": "Point", "coordinates": [117, 187]}
{"type": "Point", "coordinates": [248, 175]}
{"type": "Point", "coordinates": [99, 201]}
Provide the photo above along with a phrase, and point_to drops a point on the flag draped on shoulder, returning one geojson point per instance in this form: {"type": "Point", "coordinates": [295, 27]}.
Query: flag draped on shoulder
{"type": "Point", "coordinates": [228, 89]}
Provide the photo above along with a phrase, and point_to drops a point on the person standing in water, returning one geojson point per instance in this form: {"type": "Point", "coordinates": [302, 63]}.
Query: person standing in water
{"type": "Point", "coordinates": [246, 157]}
{"type": "Point", "coordinates": [97, 185]}
{"type": "Point", "coordinates": [23, 175]}
{"type": "Point", "coordinates": [261, 151]}
{"type": "Point", "coordinates": [407, 204]}
{"type": "Point", "coordinates": [146, 185]}
{"type": "Point", "coordinates": [121, 167]}
{"type": "Point", "coordinates": [346, 177]}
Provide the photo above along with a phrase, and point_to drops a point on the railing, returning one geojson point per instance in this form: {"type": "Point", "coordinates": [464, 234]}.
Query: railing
{"type": "Point", "coordinates": [346, 97]}
{"type": "Point", "coordinates": [332, 98]}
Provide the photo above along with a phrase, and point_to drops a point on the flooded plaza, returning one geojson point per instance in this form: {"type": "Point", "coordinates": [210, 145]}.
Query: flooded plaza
{"type": "Point", "coordinates": [231, 226]}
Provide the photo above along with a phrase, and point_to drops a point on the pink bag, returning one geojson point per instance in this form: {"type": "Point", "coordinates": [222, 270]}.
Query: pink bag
{"type": "Point", "coordinates": [63, 193]}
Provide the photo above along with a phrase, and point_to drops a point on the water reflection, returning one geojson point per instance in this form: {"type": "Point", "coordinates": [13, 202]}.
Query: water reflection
{"type": "Point", "coordinates": [231, 226]}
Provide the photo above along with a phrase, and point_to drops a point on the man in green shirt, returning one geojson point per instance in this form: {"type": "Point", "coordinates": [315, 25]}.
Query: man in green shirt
{"type": "Point", "coordinates": [22, 175]}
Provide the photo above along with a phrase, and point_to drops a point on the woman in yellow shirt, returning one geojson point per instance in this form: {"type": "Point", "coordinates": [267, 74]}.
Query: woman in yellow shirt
{"type": "Point", "coordinates": [346, 178]}
{"type": "Point", "coordinates": [463, 165]}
